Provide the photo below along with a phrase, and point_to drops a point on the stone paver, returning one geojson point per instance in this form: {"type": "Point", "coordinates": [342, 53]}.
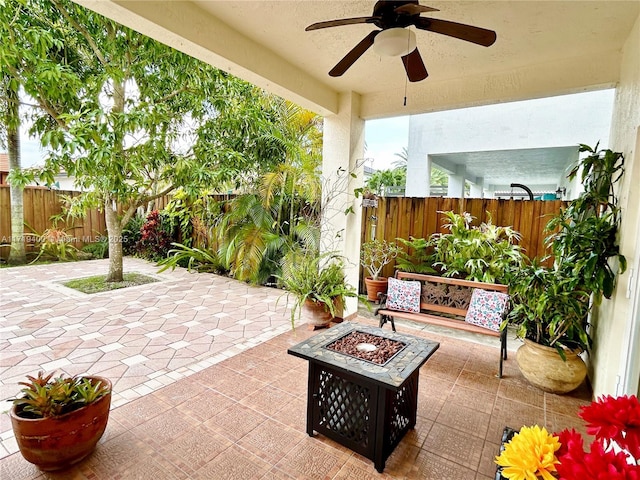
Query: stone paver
{"type": "Point", "coordinates": [142, 338]}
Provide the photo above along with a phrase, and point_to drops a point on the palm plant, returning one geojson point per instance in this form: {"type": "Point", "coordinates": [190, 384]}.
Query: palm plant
{"type": "Point", "coordinates": [260, 227]}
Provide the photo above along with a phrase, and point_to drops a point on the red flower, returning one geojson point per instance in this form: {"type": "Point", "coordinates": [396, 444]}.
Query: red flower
{"type": "Point", "coordinates": [571, 444]}
{"type": "Point", "coordinates": [617, 419]}
{"type": "Point", "coordinates": [597, 464]}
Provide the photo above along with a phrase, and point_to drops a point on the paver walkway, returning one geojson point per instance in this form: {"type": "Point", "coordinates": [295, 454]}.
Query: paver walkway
{"type": "Point", "coordinates": [142, 338]}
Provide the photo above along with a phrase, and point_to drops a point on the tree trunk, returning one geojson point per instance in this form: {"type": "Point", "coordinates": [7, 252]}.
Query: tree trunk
{"type": "Point", "coordinates": [114, 224]}
{"type": "Point", "coordinates": [17, 255]}
{"type": "Point", "coordinates": [114, 234]}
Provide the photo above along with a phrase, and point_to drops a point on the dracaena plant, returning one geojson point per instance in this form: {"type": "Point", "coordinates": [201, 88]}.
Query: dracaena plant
{"type": "Point", "coordinates": [551, 305]}
{"type": "Point", "coordinates": [584, 235]}
{"type": "Point", "coordinates": [45, 396]}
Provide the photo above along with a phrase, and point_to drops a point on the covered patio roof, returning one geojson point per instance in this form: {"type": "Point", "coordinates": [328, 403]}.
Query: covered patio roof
{"type": "Point", "coordinates": [542, 49]}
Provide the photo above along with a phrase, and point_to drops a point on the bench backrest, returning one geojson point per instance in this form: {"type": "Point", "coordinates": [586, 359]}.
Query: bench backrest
{"type": "Point", "coordinates": [448, 295]}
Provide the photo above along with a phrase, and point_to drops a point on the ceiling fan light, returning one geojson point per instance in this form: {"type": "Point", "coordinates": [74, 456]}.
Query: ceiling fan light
{"type": "Point", "coordinates": [395, 42]}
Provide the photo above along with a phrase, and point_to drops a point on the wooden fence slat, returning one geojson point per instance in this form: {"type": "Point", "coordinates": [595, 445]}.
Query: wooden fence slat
{"type": "Point", "coordinates": [39, 205]}
{"type": "Point", "coordinates": [421, 217]}
{"type": "Point", "coordinates": [396, 217]}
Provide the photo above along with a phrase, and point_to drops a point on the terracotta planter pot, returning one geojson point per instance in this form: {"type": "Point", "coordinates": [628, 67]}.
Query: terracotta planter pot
{"type": "Point", "coordinates": [544, 368]}
{"type": "Point", "coordinates": [375, 286]}
{"type": "Point", "coordinates": [57, 442]}
{"type": "Point", "coordinates": [315, 315]}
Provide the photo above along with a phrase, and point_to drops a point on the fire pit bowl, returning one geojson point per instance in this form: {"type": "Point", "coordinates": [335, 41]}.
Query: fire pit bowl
{"type": "Point", "coordinates": [365, 405]}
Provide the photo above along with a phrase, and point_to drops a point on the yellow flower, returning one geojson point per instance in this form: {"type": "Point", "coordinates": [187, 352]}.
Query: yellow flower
{"type": "Point", "coordinates": [530, 455]}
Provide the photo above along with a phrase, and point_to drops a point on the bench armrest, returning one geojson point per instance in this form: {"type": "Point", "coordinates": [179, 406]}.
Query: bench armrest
{"type": "Point", "coordinates": [382, 302]}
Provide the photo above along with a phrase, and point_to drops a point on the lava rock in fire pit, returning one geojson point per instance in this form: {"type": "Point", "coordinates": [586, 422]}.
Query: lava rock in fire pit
{"type": "Point", "coordinates": [359, 345]}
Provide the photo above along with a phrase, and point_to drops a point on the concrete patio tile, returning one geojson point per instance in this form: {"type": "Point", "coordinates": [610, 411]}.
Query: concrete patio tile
{"type": "Point", "coordinates": [181, 375]}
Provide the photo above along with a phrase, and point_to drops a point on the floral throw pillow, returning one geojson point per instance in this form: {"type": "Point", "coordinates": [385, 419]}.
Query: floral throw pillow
{"type": "Point", "coordinates": [487, 309]}
{"type": "Point", "coordinates": [403, 295]}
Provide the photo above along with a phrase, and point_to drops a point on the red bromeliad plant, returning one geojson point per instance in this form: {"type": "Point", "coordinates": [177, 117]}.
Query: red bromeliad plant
{"type": "Point", "coordinates": [613, 455]}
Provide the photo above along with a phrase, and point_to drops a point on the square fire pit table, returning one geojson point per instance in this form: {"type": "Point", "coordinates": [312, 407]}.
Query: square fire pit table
{"type": "Point", "coordinates": [364, 406]}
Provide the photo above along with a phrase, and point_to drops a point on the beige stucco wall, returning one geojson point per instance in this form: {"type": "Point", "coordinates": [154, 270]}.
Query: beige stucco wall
{"type": "Point", "coordinates": [614, 316]}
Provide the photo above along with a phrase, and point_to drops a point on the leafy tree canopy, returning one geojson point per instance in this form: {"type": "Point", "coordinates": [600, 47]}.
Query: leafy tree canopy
{"type": "Point", "coordinates": [130, 118]}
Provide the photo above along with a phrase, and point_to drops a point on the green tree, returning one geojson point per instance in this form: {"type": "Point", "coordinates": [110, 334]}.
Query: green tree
{"type": "Point", "coordinates": [130, 118]}
{"type": "Point", "coordinates": [438, 177]}
{"type": "Point", "coordinates": [10, 136]}
{"type": "Point", "coordinates": [386, 178]}
{"type": "Point", "coordinates": [397, 176]}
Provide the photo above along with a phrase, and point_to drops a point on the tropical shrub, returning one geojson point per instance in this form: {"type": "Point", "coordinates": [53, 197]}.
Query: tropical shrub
{"type": "Point", "coordinates": [418, 257]}
{"type": "Point", "coordinates": [55, 244]}
{"type": "Point", "coordinates": [156, 236]}
{"type": "Point", "coordinates": [99, 249]}
{"type": "Point", "coordinates": [487, 253]}
{"type": "Point", "coordinates": [192, 258]}
{"type": "Point", "coordinates": [131, 234]}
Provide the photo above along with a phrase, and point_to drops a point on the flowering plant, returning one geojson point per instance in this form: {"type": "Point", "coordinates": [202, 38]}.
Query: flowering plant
{"type": "Point", "coordinates": [614, 454]}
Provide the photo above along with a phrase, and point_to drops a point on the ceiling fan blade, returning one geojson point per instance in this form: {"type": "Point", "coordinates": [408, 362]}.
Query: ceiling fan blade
{"type": "Point", "coordinates": [351, 57]}
{"type": "Point", "coordinates": [414, 66]}
{"type": "Point", "coordinates": [469, 33]}
{"type": "Point", "coordinates": [414, 9]}
{"type": "Point", "coordinates": [339, 22]}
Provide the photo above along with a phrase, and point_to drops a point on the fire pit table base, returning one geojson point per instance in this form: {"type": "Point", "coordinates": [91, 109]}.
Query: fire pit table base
{"type": "Point", "coordinates": [362, 405]}
{"type": "Point", "coordinates": [367, 418]}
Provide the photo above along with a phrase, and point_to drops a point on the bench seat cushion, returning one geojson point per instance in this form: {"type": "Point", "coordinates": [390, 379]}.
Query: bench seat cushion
{"type": "Point", "coordinates": [487, 309]}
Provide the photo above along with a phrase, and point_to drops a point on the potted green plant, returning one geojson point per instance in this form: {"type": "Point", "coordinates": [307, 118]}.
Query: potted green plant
{"type": "Point", "coordinates": [58, 421]}
{"type": "Point", "coordinates": [317, 282]}
{"type": "Point", "coordinates": [374, 255]}
{"type": "Point", "coordinates": [485, 253]}
{"type": "Point", "coordinates": [552, 305]}
{"type": "Point", "coordinates": [550, 314]}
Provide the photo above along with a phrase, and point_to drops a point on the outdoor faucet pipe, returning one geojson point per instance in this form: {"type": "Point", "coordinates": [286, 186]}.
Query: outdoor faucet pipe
{"type": "Point", "coordinates": [525, 188]}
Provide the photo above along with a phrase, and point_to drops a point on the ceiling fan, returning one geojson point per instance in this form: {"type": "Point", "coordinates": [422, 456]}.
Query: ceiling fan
{"type": "Point", "coordinates": [393, 18]}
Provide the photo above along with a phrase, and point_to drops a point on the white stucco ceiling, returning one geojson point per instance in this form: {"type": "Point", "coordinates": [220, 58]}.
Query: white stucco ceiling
{"type": "Point", "coordinates": [543, 48]}
{"type": "Point", "coordinates": [538, 168]}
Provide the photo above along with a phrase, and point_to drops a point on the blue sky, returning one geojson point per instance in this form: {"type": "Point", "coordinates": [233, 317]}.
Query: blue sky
{"type": "Point", "coordinates": [384, 138]}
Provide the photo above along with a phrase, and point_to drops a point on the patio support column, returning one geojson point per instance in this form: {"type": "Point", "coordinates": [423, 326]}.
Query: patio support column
{"type": "Point", "coordinates": [456, 184]}
{"type": "Point", "coordinates": [476, 190]}
{"type": "Point", "coordinates": [342, 156]}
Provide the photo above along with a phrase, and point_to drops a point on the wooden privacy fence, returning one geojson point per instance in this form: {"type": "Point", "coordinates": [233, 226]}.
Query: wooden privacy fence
{"type": "Point", "coordinates": [401, 217]}
{"type": "Point", "coordinates": [40, 204]}
{"type": "Point", "coordinates": [395, 217]}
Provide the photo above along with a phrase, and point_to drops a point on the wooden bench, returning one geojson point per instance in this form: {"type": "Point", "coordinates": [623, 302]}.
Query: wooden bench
{"type": "Point", "coordinates": [444, 302]}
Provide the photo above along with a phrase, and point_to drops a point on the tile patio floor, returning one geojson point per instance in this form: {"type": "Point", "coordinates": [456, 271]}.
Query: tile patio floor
{"type": "Point", "coordinates": [204, 389]}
